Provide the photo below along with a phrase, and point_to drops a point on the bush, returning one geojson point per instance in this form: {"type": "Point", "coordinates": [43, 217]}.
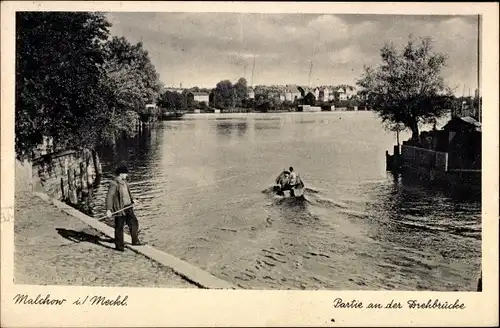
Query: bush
{"type": "Point", "coordinates": [287, 105]}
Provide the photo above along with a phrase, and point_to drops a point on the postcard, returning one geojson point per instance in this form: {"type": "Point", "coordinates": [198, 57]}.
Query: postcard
{"type": "Point", "coordinates": [249, 164]}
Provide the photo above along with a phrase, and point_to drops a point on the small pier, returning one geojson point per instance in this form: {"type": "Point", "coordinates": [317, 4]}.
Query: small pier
{"type": "Point", "coordinates": [393, 163]}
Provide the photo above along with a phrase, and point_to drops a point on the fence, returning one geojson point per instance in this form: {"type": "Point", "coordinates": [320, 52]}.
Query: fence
{"type": "Point", "coordinates": [425, 158]}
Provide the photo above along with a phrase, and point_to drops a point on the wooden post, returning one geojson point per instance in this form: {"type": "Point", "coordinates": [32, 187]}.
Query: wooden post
{"type": "Point", "coordinates": [71, 187]}
{"type": "Point", "coordinates": [90, 174]}
{"type": "Point", "coordinates": [83, 181]}
{"type": "Point", "coordinates": [78, 186]}
{"type": "Point", "coordinates": [396, 150]}
{"type": "Point", "coordinates": [97, 163]}
{"type": "Point", "coordinates": [388, 164]}
{"type": "Point", "coordinates": [62, 189]}
{"type": "Point", "coordinates": [89, 169]}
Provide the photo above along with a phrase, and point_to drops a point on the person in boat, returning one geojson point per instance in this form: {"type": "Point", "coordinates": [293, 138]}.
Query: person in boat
{"type": "Point", "coordinates": [282, 181]}
{"type": "Point", "coordinates": [292, 181]}
{"type": "Point", "coordinates": [288, 180]}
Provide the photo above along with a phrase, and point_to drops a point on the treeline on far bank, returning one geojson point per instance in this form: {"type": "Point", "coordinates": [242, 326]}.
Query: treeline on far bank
{"type": "Point", "coordinates": [239, 96]}
{"type": "Point", "coordinates": [77, 85]}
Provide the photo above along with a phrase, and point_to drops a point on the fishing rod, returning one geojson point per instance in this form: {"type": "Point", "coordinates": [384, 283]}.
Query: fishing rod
{"type": "Point", "coordinates": [105, 217]}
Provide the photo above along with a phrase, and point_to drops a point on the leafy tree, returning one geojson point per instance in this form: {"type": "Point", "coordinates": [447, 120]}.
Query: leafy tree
{"type": "Point", "coordinates": [241, 90]}
{"type": "Point", "coordinates": [286, 105]}
{"type": "Point", "coordinates": [224, 95]}
{"type": "Point", "coordinates": [276, 102]}
{"type": "Point", "coordinates": [76, 86]}
{"type": "Point", "coordinates": [59, 79]}
{"type": "Point", "coordinates": [119, 124]}
{"type": "Point", "coordinates": [407, 87]}
{"type": "Point", "coordinates": [132, 77]}
{"type": "Point", "coordinates": [171, 101]}
{"type": "Point", "coordinates": [188, 99]}
{"type": "Point", "coordinates": [248, 103]}
{"type": "Point", "coordinates": [263, 105]}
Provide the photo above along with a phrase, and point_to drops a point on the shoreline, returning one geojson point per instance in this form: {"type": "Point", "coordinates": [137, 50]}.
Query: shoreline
{"type": "Point", "coordinates": [93, 242]}
{"type": "Point", "coordinates": [191, 116]}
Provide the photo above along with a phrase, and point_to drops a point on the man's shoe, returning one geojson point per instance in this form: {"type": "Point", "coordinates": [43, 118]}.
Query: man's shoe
{"type": "Point", "coordinates": [120, 249]}
{"type": "Point", "coordinates": [138, 244]}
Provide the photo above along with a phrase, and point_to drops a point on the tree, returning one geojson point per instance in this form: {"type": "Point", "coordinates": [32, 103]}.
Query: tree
{"type": "Point", "coordinates": [407, 87]}
{"type": "Point", "coordinates": [276, 102]}
{"type": "Point", "coordinates": [224, 94]}
{"type": "Point", "coordinates": [263, 105]}
{"type": "Point", "coordinates": [394, 127]}
{"type": "Point", "coordinates": [132, 77]}
{"type": "Point", "coordinates": [171, 101]}
{"type": "Point", "coordinates": [60, 89]}
{"type": "Point", "coordinates": [286, 105]}
{"type": "Point", "coordinates": [241, 90]}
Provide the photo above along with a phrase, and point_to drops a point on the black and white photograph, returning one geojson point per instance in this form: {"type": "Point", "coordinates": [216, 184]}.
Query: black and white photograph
{"type": "Point", "coordinates": [262, 151]}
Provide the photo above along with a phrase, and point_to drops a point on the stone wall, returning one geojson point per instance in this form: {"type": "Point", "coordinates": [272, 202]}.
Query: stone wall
{"type": "Point", "coordinates": [68, 175]}
{"type": "Point", "coordinates": [23, 176]}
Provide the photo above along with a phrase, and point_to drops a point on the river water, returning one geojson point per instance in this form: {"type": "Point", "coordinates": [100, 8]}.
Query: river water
{"type": "Point", "coordinates": [202, 184]}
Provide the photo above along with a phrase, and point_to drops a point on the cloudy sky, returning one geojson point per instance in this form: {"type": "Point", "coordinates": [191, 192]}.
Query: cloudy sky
{"type": "Point", "coordinates": [200, 49]}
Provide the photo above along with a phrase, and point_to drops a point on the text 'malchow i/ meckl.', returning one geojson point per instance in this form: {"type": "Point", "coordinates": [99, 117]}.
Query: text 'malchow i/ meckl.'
{"type": "Point", "coordinates": [95, 300]}
{"type": "Point", "coordinates": [411, 304]}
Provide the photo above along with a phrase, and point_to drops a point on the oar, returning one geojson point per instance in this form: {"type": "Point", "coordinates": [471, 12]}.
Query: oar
{"type": "Point", "coordinates": [105, 217]}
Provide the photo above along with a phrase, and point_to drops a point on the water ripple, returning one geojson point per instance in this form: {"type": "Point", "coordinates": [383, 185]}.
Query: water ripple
{"type": "Point", "coordinates": [202, 196]}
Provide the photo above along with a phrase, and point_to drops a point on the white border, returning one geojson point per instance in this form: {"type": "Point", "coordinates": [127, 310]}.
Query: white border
{"type": "Point", "coordinates": [174, 307]}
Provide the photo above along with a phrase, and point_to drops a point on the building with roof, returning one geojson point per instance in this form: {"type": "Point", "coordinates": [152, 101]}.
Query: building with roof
{"type": "Point", "coordinates": [173, 89]}
{"type": "Point", "coordinates": [292, 93]}
{"type": "Point", "coordinates": [201, 97]}
{"type": "Point", "coordinates": [251, 93]}
{"type": "Point", "coordinates": [340, 94]}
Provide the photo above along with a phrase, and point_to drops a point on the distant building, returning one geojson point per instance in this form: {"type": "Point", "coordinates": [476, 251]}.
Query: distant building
{"type": "Point", "coordinates": [292, 93]}
{"type": "Point", "coordinates": [321, 95]}
{"type": "Point", "coordinates": [340, 94]}
{"type": "Point", "coordinates": [281, 93]}
{"type": "Point", "coordinates": [251, 93]}
{"type": "Point", "coordinates": [331, 94]}
{"type": "Point", "coordinates": [325, 94]}
{"type": "Point", "coordinates": [172, 89]}
{"type": "Point", "coordinates": [350, 93]}
{"type": "Point", "coordinates": [201, 97]}
{"type": "Point", "coordinates": [316, 92]}
{"type": "Point", "coordinates": [304, 90]}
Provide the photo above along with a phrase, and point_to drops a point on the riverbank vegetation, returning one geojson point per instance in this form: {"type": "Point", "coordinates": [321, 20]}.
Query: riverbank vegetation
{"type": "Point", "coordinates": [75, 85]}
{"type": "Point", "coordinates": [79, 87]}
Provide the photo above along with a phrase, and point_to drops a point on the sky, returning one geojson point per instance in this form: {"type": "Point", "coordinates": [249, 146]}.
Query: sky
{"type": "Point", "coordinates": [201, 49]}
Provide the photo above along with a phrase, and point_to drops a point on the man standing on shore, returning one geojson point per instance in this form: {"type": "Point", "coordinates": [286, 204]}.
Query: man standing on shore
{"type": "Point", "coordinates": [119, 201]}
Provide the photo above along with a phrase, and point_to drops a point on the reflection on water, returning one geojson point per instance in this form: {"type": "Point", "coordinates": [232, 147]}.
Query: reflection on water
{"type": "Point", "coordinates": [227, 128]}
{"type": "Point", "coordinates": [200, 185]}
